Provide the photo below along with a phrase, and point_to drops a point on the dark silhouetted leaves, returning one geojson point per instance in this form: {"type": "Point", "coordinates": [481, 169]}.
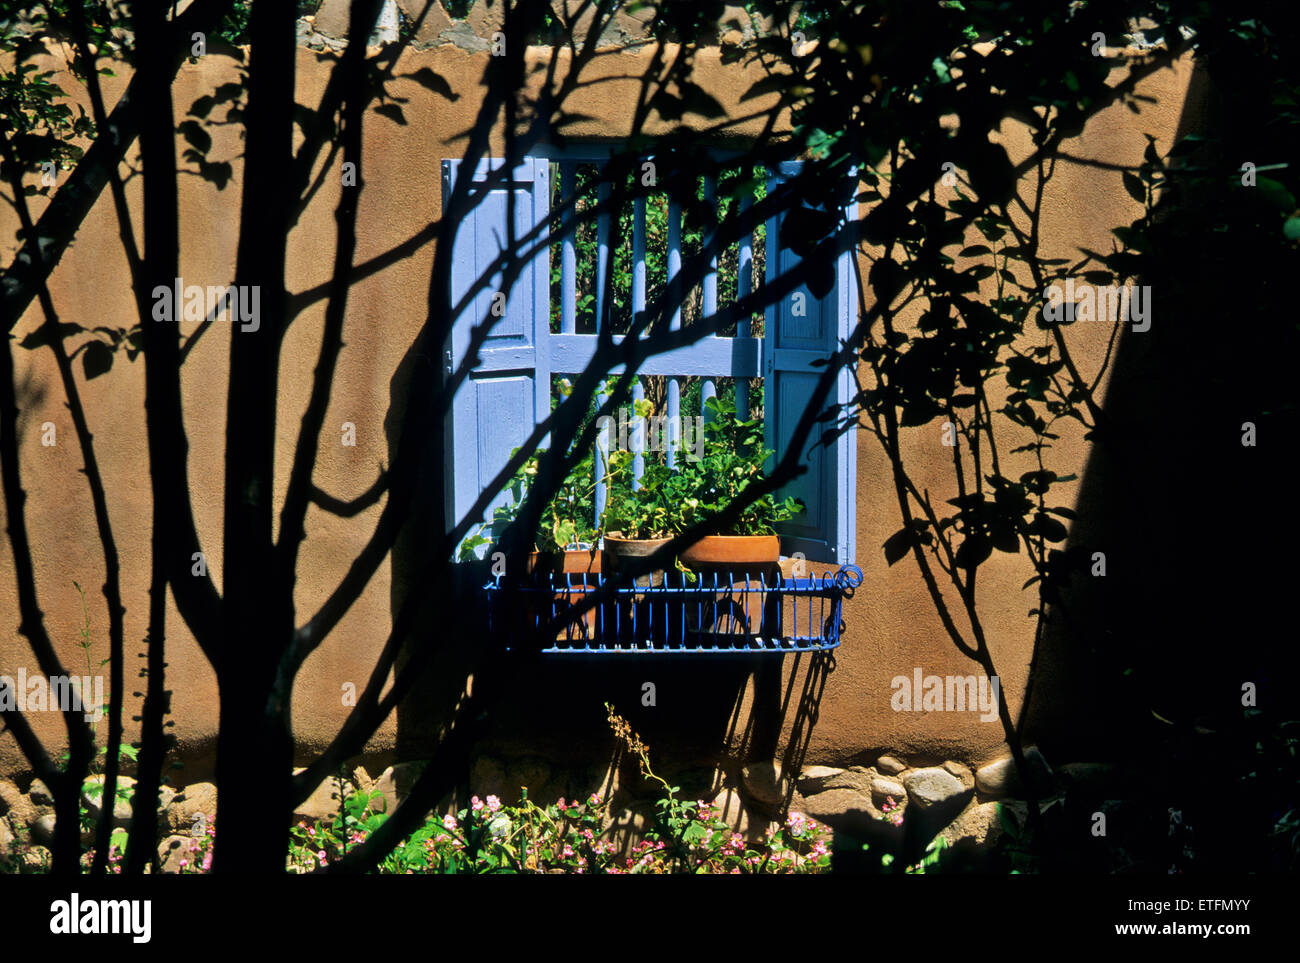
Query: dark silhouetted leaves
{"type": "Point", "coordinates": [1136, 189]}
{"type": "Point", "coordinates": [393, 112]}
{"type": "Point", "coordinates": [96, 359]}
{"type": "Point", "coordinates": [41, 336]}
{"type": "Point", "coordinates": [194, 133]}
{"type": "Point", "coordinates": [973, 550]}
{"type": "Point", "coordinates": [429, 80]}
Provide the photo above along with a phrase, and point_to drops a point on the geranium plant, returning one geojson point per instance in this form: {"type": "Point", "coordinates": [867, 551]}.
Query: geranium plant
{"type": "Point", "coordinates": [671, 500]}
{"type": "Point", "coordinates": [568, 521]}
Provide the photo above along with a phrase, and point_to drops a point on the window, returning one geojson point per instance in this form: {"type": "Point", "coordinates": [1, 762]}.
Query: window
{"type": "Point", "coordinates": [547, 331]}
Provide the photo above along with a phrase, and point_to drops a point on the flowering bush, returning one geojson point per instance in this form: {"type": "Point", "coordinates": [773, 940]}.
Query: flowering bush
{"type": "Point", "coordinates": [568, 836]}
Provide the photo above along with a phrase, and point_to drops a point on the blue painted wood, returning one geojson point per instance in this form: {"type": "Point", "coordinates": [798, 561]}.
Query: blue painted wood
{"type": "Point", "coordinates": [673, 432]}
{"type": "Point", "coordinates": [798, 331]}
{"type": "Point", "coordinates": [675, 256]}
{"type": "Point", "coordinates": [497, 407]}
{"type": "Point", "coordinates": [509, 390]}
{"type": "Point", "coordinates": [568, 256]}
{"type": "Point", "coordinates": [707, 390]}
{"type": "Point", "coordinates": [603, 438]}
{"type": "Point", "coordinates": [709, 294]}
{"type": "Point", "coordinates": [744, 287]}
{"type": "Point", "coordinates": [709, 357]}
{"type": "Point", "coordinates": [636, 436]}
{"type": "Point", "coordinates": [638, 259]}
{"type": "Point", "coordinates": [604, 231]}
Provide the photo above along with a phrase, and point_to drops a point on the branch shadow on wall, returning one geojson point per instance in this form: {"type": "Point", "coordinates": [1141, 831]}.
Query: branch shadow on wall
{"type": "Point", "coordinates": [1175, 610]}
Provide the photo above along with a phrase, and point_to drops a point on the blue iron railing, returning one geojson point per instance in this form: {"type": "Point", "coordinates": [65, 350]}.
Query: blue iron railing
{"type": "Point", "coordinates": [719, 613]}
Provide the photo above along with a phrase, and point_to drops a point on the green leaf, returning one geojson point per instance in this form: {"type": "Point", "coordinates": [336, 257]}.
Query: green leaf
{"type": "Point", "coordinates": [1008, 821]}
{"type": "Point", "coordinates": [1292, 228]}
{"type": "Point", "coordinates": [1276, 193]}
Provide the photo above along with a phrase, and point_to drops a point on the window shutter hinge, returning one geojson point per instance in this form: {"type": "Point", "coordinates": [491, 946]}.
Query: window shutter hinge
{"type": "Point", "coordinates": [447, 365]}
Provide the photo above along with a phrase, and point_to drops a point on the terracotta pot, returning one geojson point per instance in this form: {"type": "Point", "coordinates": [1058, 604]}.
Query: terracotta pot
{"type": "Point", "coordinates": [569, 569]}
{"type": "Point", "coordinates": [643, 617]}
{"type": "Point", "coordinates": [734, 552]}
{"type": "Point", "coordinates": [726, 560]}
{"type": "Point", "coordinates": [568, 562]}
{"type": "Point", "coordinates": [625, 550]}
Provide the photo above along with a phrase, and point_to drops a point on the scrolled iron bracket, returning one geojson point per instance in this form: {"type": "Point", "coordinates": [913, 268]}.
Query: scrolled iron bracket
{"type": "Point", "coordinates": [848, 578]}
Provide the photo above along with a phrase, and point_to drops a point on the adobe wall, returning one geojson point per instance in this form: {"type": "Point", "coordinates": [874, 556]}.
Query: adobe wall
{"type": "Point", "coordinates": [704, 715]}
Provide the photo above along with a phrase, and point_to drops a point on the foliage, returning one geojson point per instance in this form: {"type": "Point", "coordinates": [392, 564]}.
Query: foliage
{"type": "Point", "coordinates": [670, 500]}
{"type": "Point", "coordinates": [698, 219]}
{"type": "Point", "coordinates": [568, 518]}
{"type": "Point", "coordinates": [873, 94]}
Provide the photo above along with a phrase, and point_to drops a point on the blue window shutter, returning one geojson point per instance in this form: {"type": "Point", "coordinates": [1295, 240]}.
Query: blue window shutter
{"type": "Point", "coordinates": [826, 531]}
{"type": "Point", "coordinates": [508, 393]}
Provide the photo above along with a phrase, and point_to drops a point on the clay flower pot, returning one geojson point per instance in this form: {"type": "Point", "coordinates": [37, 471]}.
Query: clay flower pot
{"type": "Point", "coordinates": [736, 566]}
{"type": "Point", "coordinates": [624, 551]}
{"type": "Point", "coordinates": [574, 572]}
{"type": "Point", "coordinates": [649, 616]}
{"type": "Point", "coordinates": [738, 553]}
{"type": "Point", "coordinates": [585, 561]}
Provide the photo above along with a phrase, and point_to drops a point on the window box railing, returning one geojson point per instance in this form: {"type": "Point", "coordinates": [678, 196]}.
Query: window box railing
{"type": "Point", "coordinates": [717, 613]}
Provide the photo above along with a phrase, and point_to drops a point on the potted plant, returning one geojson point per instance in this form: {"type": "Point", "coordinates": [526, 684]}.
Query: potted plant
{"type": "Point", "coordinates": [733, 460]}
{"type": "Point", "coordinates": [567, 536]}
{"type": "Point", "coordinates": [670, 501]}
{"type": "Point", "coordinates": [565, 544]}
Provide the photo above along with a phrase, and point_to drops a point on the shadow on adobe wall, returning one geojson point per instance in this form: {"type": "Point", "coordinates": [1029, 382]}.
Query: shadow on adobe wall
{"type": "Point", "coordinates": [1150, 666]}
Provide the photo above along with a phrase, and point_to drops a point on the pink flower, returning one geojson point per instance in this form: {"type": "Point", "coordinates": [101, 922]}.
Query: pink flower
{"type": "Point", "coordinates": [476, 803]}
{"type": "Point", "coordinates": [449, 822]}
{"type": "Point", "coordinates": [561, 803]}
{"type": "Point", "coordinates": [321, 856]}
{"type": "Point", "coordinates": [493, 803]}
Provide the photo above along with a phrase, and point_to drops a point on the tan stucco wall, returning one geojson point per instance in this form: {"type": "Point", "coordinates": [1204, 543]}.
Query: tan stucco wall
{"type": "Point", "coordinates": [891, 625]}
